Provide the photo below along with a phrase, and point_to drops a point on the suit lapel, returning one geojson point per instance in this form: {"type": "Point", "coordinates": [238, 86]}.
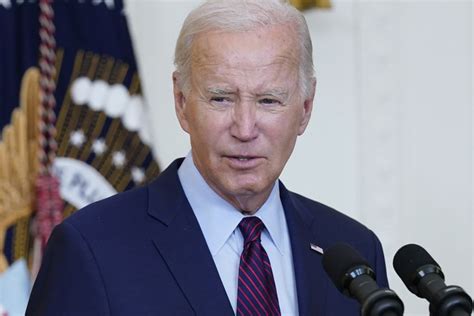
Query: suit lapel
{"type": "Point", "coordinates": [179, 240]}
{"type": "Point", "coordinates": [311, 281]}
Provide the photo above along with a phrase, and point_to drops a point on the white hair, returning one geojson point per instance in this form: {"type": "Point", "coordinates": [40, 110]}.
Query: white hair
{"type": "Point", "coordinates": [243, 15]}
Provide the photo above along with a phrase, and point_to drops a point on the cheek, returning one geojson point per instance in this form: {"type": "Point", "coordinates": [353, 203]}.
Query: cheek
{"type": "Point", "coordinates": [207, 129]}
{"type": "Point", "coordinates": [282, 134]}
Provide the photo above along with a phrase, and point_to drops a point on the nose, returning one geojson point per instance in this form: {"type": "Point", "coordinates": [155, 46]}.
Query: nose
{"type": "Point", "coordinates": [244, 121]}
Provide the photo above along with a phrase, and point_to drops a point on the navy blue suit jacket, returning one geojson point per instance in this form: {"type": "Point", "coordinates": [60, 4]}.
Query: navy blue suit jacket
{"type": "Point", "coordinates": [142, 252]}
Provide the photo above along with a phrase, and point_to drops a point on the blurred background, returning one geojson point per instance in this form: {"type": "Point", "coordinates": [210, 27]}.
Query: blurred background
{"type": "Point", "coordinates": [391, 137]}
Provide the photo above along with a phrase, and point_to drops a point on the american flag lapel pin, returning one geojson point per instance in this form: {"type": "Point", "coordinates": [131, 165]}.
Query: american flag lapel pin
{"type": "Point", "coordinates": [317, 248]}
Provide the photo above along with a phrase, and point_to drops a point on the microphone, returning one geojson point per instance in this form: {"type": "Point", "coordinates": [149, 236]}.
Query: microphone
{"type": "Point", "coordinates": [353, 276]}
{"type": "Point", "coordinates": [423, 276]}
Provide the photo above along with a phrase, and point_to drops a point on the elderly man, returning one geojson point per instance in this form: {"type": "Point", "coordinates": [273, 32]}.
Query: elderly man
{"type": "Point", "coordinates": [215, 233]}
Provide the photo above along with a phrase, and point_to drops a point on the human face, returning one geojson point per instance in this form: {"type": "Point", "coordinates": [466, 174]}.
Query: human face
{"type": "Point", "coordinates": [244, 110]}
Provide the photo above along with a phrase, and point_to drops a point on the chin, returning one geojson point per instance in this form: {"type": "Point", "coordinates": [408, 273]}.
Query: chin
{"type": "Point", "coordinates": [246, 188]}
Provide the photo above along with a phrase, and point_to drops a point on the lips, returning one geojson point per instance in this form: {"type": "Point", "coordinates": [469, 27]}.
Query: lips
{"type": "Point", "coordinates": [243, 161]}
{"type": "Point", "coordinates": [242, 157]}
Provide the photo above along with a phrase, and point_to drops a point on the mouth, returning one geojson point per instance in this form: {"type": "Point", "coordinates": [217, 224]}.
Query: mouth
{"type": "Point", "coordinates": [243, 158]}
{"type": "Point", "coordinates": [243, 161]}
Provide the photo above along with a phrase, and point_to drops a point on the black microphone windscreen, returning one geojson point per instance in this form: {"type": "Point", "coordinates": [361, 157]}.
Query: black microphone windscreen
{"type": "Point", "coordinates": [338, 260]}
{"type": "Point", "coordinates": [409, 259]}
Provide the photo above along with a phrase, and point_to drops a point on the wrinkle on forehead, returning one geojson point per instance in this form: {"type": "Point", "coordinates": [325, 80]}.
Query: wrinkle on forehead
{"type": "Point", "coordinates": [270, 71]}
{"type": "Point", "coordinates": [262, 80]}
{"type": "Point", "coordinates": [254, 61]}
{"type": "Point", "coordinates": [247, 63]}
{"type": "Point", "coordinates": [269, 45]}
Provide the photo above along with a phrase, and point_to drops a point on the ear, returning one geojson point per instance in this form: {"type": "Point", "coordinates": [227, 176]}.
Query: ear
{"type": "Point", "coordinates": [307, 108]}
{"type": "Point", "coordinates": [180, 103]}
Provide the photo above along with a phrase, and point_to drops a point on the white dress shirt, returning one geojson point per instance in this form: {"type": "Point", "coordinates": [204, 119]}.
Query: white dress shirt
{"type": "Point", "coordinates": [219, 222]}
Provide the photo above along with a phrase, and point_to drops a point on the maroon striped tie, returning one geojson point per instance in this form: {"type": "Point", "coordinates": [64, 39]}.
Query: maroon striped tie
{"type": "Point", "coordinates": [257, 293]}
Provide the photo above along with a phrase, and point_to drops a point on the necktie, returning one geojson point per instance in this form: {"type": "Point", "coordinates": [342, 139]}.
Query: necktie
{"type": "Point", "coordinates": [256, 288]}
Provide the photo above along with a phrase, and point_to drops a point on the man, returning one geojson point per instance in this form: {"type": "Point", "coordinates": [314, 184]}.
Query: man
{"type": "Point", "coordinates": [217, 233]}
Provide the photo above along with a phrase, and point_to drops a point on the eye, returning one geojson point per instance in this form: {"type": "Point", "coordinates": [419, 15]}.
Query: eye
{"type": "Point", "coordinates": [219, 99]}
{"type": "Point", "coordinates": [269, 101]}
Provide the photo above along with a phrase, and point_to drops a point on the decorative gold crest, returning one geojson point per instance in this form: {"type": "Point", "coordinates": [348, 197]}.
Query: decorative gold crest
{"type": "Point", "coordinates": [18, 168]}
{"type": "Point", "coordinates": [308, 4]}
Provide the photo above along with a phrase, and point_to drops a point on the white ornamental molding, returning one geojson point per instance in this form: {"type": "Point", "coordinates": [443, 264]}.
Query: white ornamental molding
{"type": "Point", "coordinates": [379, 118]}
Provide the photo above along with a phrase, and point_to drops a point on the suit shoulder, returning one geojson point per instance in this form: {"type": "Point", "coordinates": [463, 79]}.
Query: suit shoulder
{"type": "Point", "coordinates": [328, 213]}
{"type": "Point", "coordinates": [329, 220]}
{"type": "Point", "coordinates": [329, 226]}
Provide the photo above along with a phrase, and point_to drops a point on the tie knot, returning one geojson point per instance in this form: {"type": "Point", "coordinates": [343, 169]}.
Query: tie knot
{"type": "Point", "coordinates": [251, 228]}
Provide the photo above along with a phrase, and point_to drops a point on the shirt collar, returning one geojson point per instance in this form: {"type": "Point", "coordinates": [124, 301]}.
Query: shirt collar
{"type": "Point", "coordinates": [218, 218]}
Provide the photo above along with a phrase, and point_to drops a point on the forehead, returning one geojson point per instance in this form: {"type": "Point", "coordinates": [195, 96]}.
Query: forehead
{"type": "Point", "coordinates": [246, 50]}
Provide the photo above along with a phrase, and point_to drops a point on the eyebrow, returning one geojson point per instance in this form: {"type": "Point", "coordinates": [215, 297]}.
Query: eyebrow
{"type": "Point", "coordinates": [272, 92]}
{"type": "Point", "coordinates": [275, 92]}
{"type": "Point", "coordinates": [219, 91]}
